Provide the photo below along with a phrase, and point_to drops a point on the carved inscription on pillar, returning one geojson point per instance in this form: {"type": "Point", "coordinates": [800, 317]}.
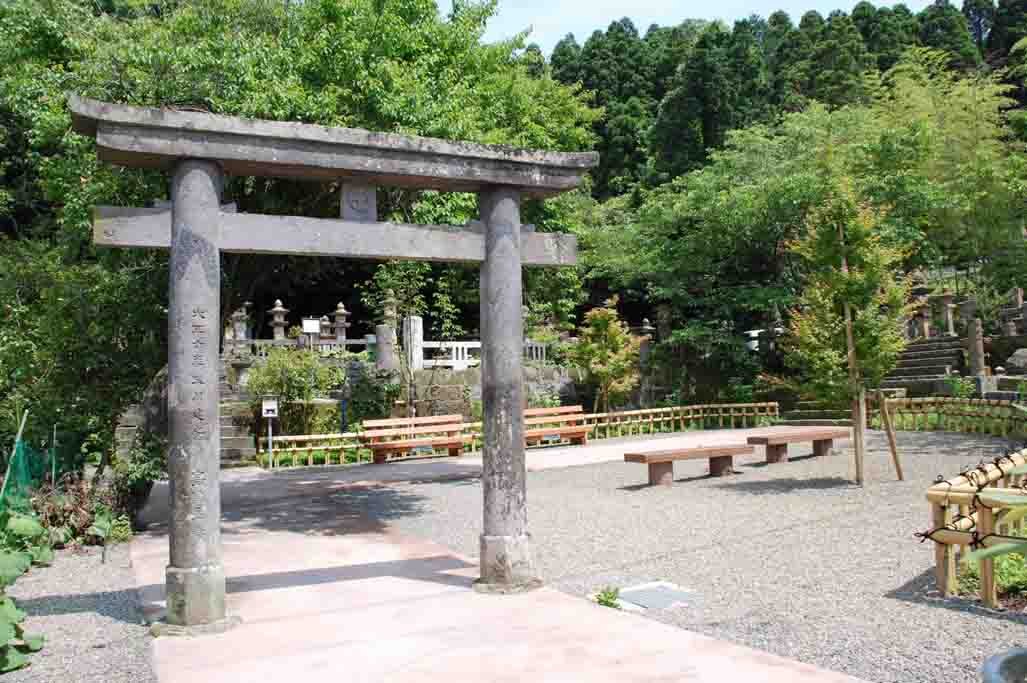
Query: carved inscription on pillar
{"type": "Point", "coordinates": [359, 202]}
{"type": "Point", "coordinates": [199, 420]}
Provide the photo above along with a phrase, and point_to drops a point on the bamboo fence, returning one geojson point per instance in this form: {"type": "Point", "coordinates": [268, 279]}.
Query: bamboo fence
{"type": "Point", "coordinates": [337, 449]}
{"type": "Point", "coordinates": [972, 415]}
{"type": "Point", "coordinates": [961, 520]}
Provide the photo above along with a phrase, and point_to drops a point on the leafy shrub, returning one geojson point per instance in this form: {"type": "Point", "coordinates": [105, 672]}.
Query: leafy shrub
{"type": "Point", "coordinates": [544, 398]}
{"type": "Point", "coordinates": [608, 597]}
{"type": "Point", "coordinates": [295, 377]}
{"type": "Point", "coordinates": [15, 644]}
{"type": "Point", "coordinates": [135, 474]}
{"type": "Point", "coordinates": [961, 387]}
{"type": "Point", "coordinates": [1010, 576]}
{"type": "Point", "coordinates": [372, 394]}
{"type": "Point", "coordinates": [65, 510]}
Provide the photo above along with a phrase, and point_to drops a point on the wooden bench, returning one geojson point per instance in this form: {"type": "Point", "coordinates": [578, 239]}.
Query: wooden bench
{"type": "Point", "coordinates": [661, 463]}
{"type": "Point", "coordinates": [777, 442]}
{"type": "Point", "coordinates": [567, 422]}
{"type": "Point", "coordinates": [401, 435]}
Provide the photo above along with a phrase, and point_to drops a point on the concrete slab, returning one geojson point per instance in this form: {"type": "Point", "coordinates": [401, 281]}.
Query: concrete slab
{"type": "Point", "coordinates": [328, 591]}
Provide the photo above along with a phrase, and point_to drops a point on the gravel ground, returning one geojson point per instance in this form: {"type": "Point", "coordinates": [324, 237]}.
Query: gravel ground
{"type": "Point", "coordinates": [792, 559]}
{"type": "Point", "coordinates": [89, 613]}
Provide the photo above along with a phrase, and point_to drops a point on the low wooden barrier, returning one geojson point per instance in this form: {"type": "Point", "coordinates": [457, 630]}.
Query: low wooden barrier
{"type": "Point", "coordinates": [965, 516]}
{"type": "Point", "coordinates": [312, 449]}
{"type": "Point", "coordinates": [337, 449]}
{"type": "Point", "coordinates": [971, 415]}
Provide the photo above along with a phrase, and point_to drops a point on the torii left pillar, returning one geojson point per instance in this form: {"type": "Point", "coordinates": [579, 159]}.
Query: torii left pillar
{"type": "Point", "coordinates": [195, 575]}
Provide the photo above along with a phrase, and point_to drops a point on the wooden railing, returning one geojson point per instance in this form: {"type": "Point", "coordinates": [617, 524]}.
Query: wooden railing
{"type": "Point", "coordinates": [972, 415]}
{"type": "Point", "coordinates": [338, 449]}
{"type": "Point", "coordinates": [967, 511]}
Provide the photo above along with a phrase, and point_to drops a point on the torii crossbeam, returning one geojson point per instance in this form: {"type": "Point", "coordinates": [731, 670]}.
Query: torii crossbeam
{"type": "Point", "coordinates": [198, 149]}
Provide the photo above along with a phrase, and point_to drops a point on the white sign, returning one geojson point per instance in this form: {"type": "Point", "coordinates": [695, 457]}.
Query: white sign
{"type": "Point", "coordinates": [269, 407]}
{"type": "Point", "coordinates": [311, 326]}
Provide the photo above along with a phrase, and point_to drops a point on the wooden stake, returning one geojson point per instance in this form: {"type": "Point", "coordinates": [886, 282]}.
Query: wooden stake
{"type": "Point", "coordinates": [889, 429]}
{"type": "Point", "coordinates": [10, 458]}
{"type": "Point", "coordinates": [944, 555]}
{"type": "Point", "coordinates": [986, 526]}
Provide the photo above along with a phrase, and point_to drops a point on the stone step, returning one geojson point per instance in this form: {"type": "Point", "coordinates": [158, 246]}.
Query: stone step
{"type": "Point", "coordinates": [912, 384]}
{"type": "Point", "coordinates": [236, 442]}
{"type": "Point", "coordinates": [234, 457]}
{"type": "Point", "coordinates": [228, 431]}
{"type": "Point", "coordinates": [940, 354]}
{"type": "Point", "coordinates": [818, 405]}
{"type": "Point", "coordinates": [847, 422]}
{"type": "Point", "coordinates": [919, 371]}
{"type": "Point", "coordinates": [817, 415]}
{"type": "Point", "coordinates": [1010, 383]}
{"type": "Point", "coordinates": [948, 360]}
{"type": "Point", "coordinates": [935, 344]}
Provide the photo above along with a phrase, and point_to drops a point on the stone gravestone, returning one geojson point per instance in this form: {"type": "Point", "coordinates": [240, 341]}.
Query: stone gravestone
{"type": "Point", "coordinates": [198, 150]}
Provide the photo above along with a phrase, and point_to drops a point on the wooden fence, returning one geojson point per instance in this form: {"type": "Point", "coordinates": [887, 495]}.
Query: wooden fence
{"type": "Point", "coordinates": [965, 516]}
{"type": "Point", "coordinates": [972, 415]}
{"type": "Point", "coordinates": [332, 449]}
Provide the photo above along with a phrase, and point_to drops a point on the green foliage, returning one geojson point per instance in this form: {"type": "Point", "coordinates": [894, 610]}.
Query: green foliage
{"type": "Point", "coordinates": [841, 230]}
{"type": "Point", "coordinates": [961, 387]}
{"type": "Point", "coordinates": [928, 154]}
{"type": "Point", "coordinates": [544, 398]}
{"type": "Point", "coordinates": [372, 395]}
{"type": "Point", "coordinates": [607, 354]}
{"type": "Point", "coordinates": [296, 377]}
{"type": "Point", "coordinates": [133, 476]}
{"type": "Point", "coordinates": [608, 596]}
{"type": "Point", "coordinates": [70, 345]}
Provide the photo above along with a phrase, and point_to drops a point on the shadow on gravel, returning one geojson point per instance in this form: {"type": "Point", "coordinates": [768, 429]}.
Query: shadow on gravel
{"type": "Point", "coordinates": [791, 458]}
{"type": "Point", "coordinates": [430, 569]}
{"type": "Point", "coordinates": [789, 485]}
{"type": "Point", "coordinates": [683, 480]}
{"type": "Point", "coordinates": [921, 590]}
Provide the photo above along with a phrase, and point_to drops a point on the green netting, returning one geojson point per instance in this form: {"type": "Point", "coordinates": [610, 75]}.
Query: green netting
{"type": "Point", "coordinates": [29, 468]}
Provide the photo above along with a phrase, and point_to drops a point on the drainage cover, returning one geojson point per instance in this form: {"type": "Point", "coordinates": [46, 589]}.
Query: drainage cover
{"type": "Point", "coordinates": [659, 595]}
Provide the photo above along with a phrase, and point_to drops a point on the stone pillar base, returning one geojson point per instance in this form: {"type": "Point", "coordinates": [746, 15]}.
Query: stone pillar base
{"type": "Point", "coordinates": [195, 595]}
{"type": "Point", "coordinates": [159, 629]}
{"type": "Point", "coordinates": [507, 565]}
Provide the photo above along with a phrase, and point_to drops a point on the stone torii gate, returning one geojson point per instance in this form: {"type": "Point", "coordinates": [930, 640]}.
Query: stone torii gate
{"type": "Point", "coordinates": [198, 149]}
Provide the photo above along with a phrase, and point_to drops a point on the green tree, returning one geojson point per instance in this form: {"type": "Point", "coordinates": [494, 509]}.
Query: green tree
{"type": "Point", "coordinates": [843, 230]}
{"type": "Point", "coordinates": [566, 60]}
{"type": "Point", "coordinates": [944, 27]}
{"type": "Point", "coordinates": [980, 16]}
{"type": "Point", "coordinates": [608, 355]}
{"type": "Point", "coordinates": [402, 66]}
{"type": "Point", "coordinates": [1009, 26]}
{"type": "Point", "coordinates": [841, 59]}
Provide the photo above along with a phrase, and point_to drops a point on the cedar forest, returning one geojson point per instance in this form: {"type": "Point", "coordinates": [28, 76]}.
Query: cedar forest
{"type": "Point", "coordinates": [721, 146]}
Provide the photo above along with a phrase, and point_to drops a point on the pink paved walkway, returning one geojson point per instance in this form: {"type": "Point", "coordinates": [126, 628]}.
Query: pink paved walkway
{"type": "Point", "coordinates": [327, 594]}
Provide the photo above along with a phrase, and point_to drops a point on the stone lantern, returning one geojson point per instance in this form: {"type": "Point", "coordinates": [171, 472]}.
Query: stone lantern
{"type": "Point", "coordinates": [278, 323]}
{"type": "Point", "coordinates": [340, 325]}
{"type": "Point", "coordinates": [326, 327]}
{"type": "Point", "coordinates": [241, 324]}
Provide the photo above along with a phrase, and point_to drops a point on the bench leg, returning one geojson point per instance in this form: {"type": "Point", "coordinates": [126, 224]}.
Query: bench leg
{"type": "Point", "coordinates": [777, 453]}
{"type": "Point", "coordinates": [661, 473]}
{"type": "Point", "coordinates": [456, 451]}
{"type": "Point", "coordinates": [823, 447]}
{"type": "Point", "coordinates": [380, 457]}
{"type": "Point", "coordinates": [721, 465]}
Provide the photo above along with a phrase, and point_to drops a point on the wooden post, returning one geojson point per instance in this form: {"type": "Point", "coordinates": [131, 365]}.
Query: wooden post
{"type": "Point", "coordinates": [986, 525]}
{"type": "Point", "coordinates": [890, 431]}
{"type": "Point", "coordinates": [944, 555]}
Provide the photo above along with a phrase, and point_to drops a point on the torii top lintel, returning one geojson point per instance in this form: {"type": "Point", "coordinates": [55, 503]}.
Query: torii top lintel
{"type": "Point", "coordinates": [155, 138]}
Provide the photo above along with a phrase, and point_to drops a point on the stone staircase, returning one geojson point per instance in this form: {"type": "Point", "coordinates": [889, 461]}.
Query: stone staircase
{"type": "Point", "coordinates": [817, 414]}
{"type": "Point", "coordinates": [924, 363]}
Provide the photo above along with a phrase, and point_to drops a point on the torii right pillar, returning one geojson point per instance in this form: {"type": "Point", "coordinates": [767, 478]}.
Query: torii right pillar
{"type": "Point", "coordinates": [507, 561]}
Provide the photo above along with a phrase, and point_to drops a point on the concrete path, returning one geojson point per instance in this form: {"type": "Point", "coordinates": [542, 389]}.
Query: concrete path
{"type": "Point", "coordinates": [328, 591]}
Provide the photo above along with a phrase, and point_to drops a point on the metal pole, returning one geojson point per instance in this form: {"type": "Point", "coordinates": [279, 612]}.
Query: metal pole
{"type": "Point", "coordinates": [270, 447]}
